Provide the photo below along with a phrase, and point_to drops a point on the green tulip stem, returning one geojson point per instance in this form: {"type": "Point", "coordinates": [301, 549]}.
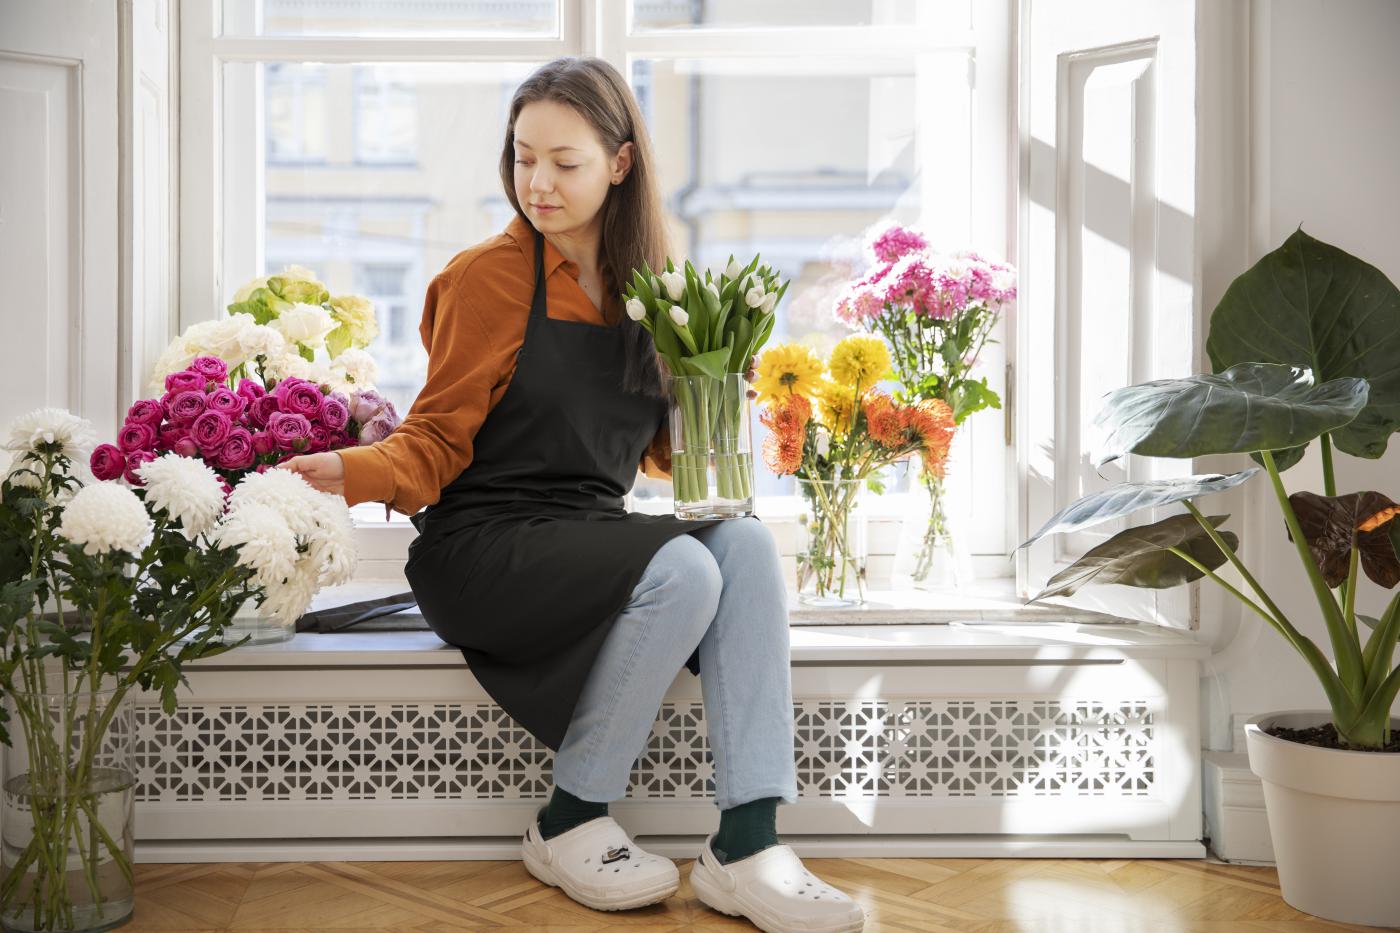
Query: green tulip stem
{"type": "Point", "coordinates": [1346, 650]}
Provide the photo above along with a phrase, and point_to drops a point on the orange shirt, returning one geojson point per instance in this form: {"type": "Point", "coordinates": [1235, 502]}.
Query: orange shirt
{"type": "Point", "coordinates": [474, 318]}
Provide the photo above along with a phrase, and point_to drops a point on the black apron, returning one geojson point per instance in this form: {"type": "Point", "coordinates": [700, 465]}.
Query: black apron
{"type": "Point", "coordinates": [528, 557]}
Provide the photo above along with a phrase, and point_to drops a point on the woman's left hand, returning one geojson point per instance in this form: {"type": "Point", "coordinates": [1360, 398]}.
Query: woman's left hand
{"type": "Point", "coordinates": [749, 374]}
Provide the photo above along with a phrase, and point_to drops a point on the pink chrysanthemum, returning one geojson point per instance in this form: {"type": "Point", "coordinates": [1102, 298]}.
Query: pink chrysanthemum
{"type": "Point", "coordinates": [891, 241]}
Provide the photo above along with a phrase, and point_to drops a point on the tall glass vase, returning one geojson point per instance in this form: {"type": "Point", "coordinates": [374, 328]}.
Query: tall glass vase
{"type": "Point", "coordinates": [711, 447]}
{"type": "Point", "coordinates": [930, 554]}
{"type": "Point", "coordinates": [252, 620]}
{"type": "Point", "coordinates": [69, 806]}
{"type": "Point", "coordinates": [832, 544]}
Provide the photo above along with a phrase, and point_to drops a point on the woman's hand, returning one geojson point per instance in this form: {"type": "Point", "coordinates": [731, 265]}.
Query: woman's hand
{"type": "Point", "coordinates": [324, 471]}
{"type": "Point", "coordinates": [749, 374]}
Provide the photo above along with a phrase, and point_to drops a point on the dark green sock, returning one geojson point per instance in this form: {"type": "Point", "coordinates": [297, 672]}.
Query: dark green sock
{"type": "Point", "coordinates": [565, 811]}
{"type": "Point", "coordinates": [746, 829]}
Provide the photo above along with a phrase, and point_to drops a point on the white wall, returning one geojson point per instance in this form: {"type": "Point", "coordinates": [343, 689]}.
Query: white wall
{"type": "Point", "coordinates": [1322, 143]}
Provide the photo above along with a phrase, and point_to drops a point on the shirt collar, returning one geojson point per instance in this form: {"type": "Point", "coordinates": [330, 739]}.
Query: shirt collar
{"type": "Point", "coordinates": [523, 233]}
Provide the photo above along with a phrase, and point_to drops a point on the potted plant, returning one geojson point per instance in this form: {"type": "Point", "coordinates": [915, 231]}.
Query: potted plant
{"type": "Point", "coordinates": [105, 588]}
{"type": "Point", "coordinates": [1306, 347]}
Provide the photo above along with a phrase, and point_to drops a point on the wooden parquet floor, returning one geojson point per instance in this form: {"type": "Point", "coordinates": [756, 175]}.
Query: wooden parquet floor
{"type": "Point", "coordinates": [937, 895]}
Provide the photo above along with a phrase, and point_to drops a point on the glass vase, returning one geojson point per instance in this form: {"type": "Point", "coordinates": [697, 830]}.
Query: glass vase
{"type": "Point", "coordinates": [251, 619]}
{"type": "Point", "coordinates": [929, 554]}
{"type": "Point", "coordinates": [833, 545]}
{"type": "Point", "coordinates": [711, 447]}
{"type": "Point", "coordinates": [68, 822]}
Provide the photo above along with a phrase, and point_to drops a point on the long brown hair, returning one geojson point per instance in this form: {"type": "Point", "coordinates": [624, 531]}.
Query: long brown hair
{"type": "Point", "coordinates": [633, 227]}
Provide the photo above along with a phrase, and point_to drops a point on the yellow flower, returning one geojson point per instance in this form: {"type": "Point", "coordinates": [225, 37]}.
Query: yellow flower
{"type": "Point", "coordinates": [836, 406]}
{"type": "Point", "coordinates": [356, 314]}
{"type": "Point", "coordinates": [787, 369]}
{"type": "Point", "coordinates": [860, 360]}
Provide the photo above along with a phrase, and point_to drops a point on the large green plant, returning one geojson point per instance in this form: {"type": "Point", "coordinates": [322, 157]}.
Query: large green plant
{"type": "Point", "coordinates": [1306, 346]}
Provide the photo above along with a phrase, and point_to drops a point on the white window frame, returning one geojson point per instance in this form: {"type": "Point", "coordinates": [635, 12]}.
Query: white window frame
{"type": "Point", "coordinates": [210, 265]}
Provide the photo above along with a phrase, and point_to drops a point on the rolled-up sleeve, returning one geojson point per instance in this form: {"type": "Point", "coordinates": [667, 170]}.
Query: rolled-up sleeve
{"type": "Point", "coordinates": [656, 460]}
{"type": "Point", "coordinates": [408, 469]}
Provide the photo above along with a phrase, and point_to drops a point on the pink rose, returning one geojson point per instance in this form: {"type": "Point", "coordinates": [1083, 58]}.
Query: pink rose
{"type": "Point", "coordinates": [133, 460]}
{"type": "Point", "coordinates": [187, 406]}
{"type": "Point", "coordinates": [301, 398]}
{"type": "Point", "coordinates": [262, 468]}
{"type": "Point", "coordinates": [228, 490]}
{"type": "Point", "coordinates": [237, 452]}
{"type": "Point", "coordinates": [263, 409]}
{"type": "Point", "coordinates": [146, 411]}
{"type": "Point", "coordinates": [136, 435]}
{"type": "Point", "coordinates": [184, 381]}
{"type": "Point", "coordinates": [167, 437]}
{"type": "Point", "coordinates": [251, 389]}
{"type": "Point", "coordinates": [291, 431]}
{"type": "Point", "coordinates": [225, 400]}
{"type": "Point", "coordinates": [334, 414]}
{"type": "Point", "coordinates": [263, 443]}
{"type": "Point", "coordinates": [210, 367]}
{"type": "Point", "coordinates": [107, 462]}
{"type": "Point", "coordinates": [319, 436]}
{"type": "Point", "coordinates": [210, 429]}
{"type": "Point", "coordinates": [186, 447]}
{"type": "Point", "coordinates": [365, 405]}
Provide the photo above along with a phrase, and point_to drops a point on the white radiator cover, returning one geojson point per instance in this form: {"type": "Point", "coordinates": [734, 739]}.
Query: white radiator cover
{"type": "Point", "coordinates": [920, 735]}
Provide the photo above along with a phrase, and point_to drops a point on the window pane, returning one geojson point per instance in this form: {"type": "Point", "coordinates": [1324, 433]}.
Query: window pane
{"type": "Point", "coordinates": [391, 18]}
{"type": "Point", "coordinates": [750, 162]}
{"type": "Point", "coordinates": [384, 206]}
{"type": "Point", "coordinates": [693, 14]}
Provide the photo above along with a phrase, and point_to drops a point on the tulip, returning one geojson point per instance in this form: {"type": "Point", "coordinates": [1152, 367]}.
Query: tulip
{"type": "Point", "coordinates": [678, 316]}
{"type": "Point", "coordinates": [769, 301]}
{"type": "Point", "coordinates": [713, 289]}
{"type": "Point", "coordinates": [754, 297]}
{"type": "Point", "coordinates": [733, 269]}
{"type": "Point", "coordinates": [675, 285]}
{"type": "Point", "coordinates": [635, 309]}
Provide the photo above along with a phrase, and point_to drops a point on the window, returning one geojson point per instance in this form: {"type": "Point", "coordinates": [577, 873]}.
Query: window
{"type": "Point", "coordinates": [781, 129]}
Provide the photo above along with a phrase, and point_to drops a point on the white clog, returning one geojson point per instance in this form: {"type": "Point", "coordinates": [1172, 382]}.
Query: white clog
{"type": "Point", "coordinates": [774, 891]}
{"type": "Point", "coordinates": [597, 864]}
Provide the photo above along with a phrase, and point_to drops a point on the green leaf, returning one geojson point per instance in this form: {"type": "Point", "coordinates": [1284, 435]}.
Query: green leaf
{"type": "Point", "coordinates": [1126, 498]}
{"type": "Point", "coordinates": [711, 364]}
{"type": "Point", "coordinates": [1311, 304]}
{"type": "Point", "coordinates": [306, 353]}
{"type": "Point", "coordinates": [742, 334]}
{"type": "Point", "coordinates": [1140, 557]}
{"type": "Point", "coordinates": [1249, 407]}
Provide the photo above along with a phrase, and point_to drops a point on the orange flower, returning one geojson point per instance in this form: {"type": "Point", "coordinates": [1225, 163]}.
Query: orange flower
{"type": "Point", "coordinates": [786, 413]}
{"type": "Point", "coordinates": [884, 421]}
{"type": "Point", "coordinates": [782, 452]}
{"type": "Point", "coordinates": [930, 425]}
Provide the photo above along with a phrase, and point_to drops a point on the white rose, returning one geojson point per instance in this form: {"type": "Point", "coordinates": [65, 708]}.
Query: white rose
{"type": "Point", "coordinates": [770, 300]}
{"type": "Point", "coordinates": [635, 309]}
{"type": "Point", "coordinates": [219, 338]}
{"type": "Point", "coordinates": [678, 316]}
{"type": "Point", "coordinates": [754, 297]}
{"type": "Point", "coordinates": [305, 324]}
{"type": "Point", "coordinates": [246, 292]}
{"type": "Point", "coordinates": [675, 285]}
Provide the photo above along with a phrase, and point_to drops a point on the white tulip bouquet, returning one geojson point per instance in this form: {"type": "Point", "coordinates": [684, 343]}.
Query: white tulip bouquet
{"type": "Point", "coordinates": [707, 330]}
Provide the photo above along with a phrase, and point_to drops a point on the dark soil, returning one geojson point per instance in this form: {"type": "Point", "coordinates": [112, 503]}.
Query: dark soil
{"type": "Point", "coordinates": [1325, 736]}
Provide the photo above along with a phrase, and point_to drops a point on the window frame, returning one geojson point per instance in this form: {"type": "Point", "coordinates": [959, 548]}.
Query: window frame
{"type": "Point", "coordinates": [604, 28]}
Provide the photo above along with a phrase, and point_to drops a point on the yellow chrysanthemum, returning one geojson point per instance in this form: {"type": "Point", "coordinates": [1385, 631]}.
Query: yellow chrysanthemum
{"type": "Point", "coordinates": [787, 369]}
{"type": "Point", "coordinates": [836, 406]}
{"type": "Point", "coordinates": [860, 360]}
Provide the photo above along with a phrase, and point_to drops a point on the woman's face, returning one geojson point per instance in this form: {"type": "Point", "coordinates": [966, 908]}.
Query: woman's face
{"type": "Point", "coordinates": [560, 164]}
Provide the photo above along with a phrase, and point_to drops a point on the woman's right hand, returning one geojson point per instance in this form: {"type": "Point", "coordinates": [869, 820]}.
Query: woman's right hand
{"type": "Point", "coordinates": [324, 471]}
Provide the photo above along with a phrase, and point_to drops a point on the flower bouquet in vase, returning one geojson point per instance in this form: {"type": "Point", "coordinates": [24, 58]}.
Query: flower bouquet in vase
{"type": "Point", "coordinates": [246, 392]}
{"type": "Point", "coordinates": [106, 587]}
{"type": "Point", "coordinates": [833, 431]}
{"type": "Point", "coordinates": [708, 330]}
{"type": "Point", "coordinates": [937, 312]}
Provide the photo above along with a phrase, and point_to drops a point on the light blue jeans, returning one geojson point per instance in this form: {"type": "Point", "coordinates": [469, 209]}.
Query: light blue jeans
{"type": "Point", "coordinates": [721, 588]}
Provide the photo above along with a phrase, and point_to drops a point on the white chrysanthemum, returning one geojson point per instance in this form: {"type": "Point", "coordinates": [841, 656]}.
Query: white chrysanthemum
{"type": "Point", "coordinates": [259, 340]}
{"type": "Point", "coordinates": [356, 313]}
{"type": "Point", "coordinates": [104, 517]}
{"type": "Point", "coordinates": [359, 367]}
{"type": "Point", "coordinates": [74, 436]}
{"type": "Point", "coordinates": [289, 599]}
{"type": "Point", "coordinates": [304, 324]}
{"type": "Point", "coordinates": [264, 542]}
{"type": "Point", "coordinates": [186, 488]}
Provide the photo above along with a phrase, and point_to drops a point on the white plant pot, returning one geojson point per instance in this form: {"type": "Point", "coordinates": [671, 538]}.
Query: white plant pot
{"type": "Point", "coordinates": [1334, 817]}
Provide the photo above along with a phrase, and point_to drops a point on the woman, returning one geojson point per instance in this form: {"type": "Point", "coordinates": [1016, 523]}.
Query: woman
{"type": "Point", "coordinates": [541, 402]}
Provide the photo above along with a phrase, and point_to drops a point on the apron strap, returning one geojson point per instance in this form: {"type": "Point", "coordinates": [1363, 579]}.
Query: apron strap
{"type": "Point", "coordinates": [539, 302]}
